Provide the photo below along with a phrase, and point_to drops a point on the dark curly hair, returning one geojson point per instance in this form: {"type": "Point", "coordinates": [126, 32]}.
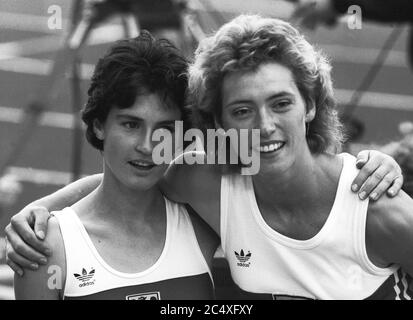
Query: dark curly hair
{"type": "Point", "coordinates": [130, 68]}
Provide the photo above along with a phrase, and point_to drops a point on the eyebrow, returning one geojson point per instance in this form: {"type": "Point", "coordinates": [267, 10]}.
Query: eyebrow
{"type": "Point", "coordinates": [129, 117]}
{"type": "Point", "coordinates": [280, 95]}
{"type": "Point", "coordinates": [272, 97]}
{"type": "Point", "coordinates": [135, 118]}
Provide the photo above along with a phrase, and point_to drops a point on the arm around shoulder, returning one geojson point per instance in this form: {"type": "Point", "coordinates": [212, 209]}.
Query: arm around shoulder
{"type": "Point", "coordinates": [184, 183]}
{"type": "Point", "coordinates": [70, 194]}
{"type": "Point", "coordinates": [47, 283]}
{"type": "Point", "coordinates": [198, 185]}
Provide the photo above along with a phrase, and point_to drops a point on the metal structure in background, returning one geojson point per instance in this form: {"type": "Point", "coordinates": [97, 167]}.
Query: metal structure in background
{"type": "Point", "coordinates": [153, 15]}
{"type": "Point", "coordinates": [353, 126]}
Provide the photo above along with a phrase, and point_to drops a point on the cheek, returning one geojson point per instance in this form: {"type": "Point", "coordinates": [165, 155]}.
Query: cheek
{"type": "Point", "coordinates": [297, 120]}
{"type": "Point", "coordinates": [118, 143]}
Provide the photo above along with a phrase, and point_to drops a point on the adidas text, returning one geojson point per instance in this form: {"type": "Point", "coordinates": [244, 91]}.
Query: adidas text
{"type": "Point", "coordinates": [242, 264]}
{"type": "Point", "coordinates": [86, 284]}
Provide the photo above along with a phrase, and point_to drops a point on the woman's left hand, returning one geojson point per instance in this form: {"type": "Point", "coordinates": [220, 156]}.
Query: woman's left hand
{"type": "Point", "coordinates": [379, 174]}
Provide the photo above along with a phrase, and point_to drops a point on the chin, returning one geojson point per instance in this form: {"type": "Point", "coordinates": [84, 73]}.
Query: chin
{"type": "Point", "coordinates": [141, 184]}
{"type": "Point", "coordinates": [278, 165]}
{"type": "Point", "coordinates": [142, 187]}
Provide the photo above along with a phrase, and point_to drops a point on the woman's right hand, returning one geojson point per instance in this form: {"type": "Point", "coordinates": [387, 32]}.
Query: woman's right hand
{"type": "Point", "coordinates": [25, 234]}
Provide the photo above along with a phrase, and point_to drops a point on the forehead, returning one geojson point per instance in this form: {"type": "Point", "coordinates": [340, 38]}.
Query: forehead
{"type": "Point", "coordinates": [266, 80]}
{"type": "Point", "coordinates": [151, 107]}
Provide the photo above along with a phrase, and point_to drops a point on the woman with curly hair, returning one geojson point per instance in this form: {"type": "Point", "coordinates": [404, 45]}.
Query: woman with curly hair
{"type": "Point", "coordinates": [294, 230]}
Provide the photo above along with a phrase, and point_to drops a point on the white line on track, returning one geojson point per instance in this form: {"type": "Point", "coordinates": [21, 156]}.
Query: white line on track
{"type": "Point", "coordinates": [378, 100]}
{"type": "Point", "coordinates": [51, 43]}
{"type": "Point", "coordinates": [49, 119]}
{"type": "Point", "coordinates": [30, 46]}
{"type": "Point", "coordinates": [39, 176]}
{"type": "Point", "coordinates": [339, 53]}
{"type": "Point", "coordinates": [39, 67]}
{"type": "Point", "coordinates": [28, 22]}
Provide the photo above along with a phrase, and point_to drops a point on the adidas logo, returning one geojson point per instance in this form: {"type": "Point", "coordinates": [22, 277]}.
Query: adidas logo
{"type": "Point", "coordinates": [243, 258]}
{"type": "Point", "coordinates": [85, 279]}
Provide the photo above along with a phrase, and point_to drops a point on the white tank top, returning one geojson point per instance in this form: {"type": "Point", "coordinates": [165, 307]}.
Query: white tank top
{"type": "Point", "coordinates": [331, 265]}
{"type": "Point", "coordinates": [180, 272]}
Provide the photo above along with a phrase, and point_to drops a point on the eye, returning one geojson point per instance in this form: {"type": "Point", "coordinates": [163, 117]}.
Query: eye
{"type": "Point", "coordinates": [241, 112]}
{"type": "Point", "coordinates": [282, 104]}
{"type": "Point", "coordinates": [131, 124]}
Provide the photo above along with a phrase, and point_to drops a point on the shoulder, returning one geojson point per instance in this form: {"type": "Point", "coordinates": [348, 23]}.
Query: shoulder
{"type": "Point", "coordinates": [389, 226]}
{"type": "Point", "coordinates": [55, 241]}
{"type": "Point", "coordinates": [54, 237]}
{"type": "Point", "coordinates": [207, 239]}
{"type": "Point", "coordinates": [46, 282]}
{"type": "Point", "coordinates": [198, 185]}
{"type": "Point", "coordinates": [187, 181]}
{"type": "Point", "coordinates": [391, 214]}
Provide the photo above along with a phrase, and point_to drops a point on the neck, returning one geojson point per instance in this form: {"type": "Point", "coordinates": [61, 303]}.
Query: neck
{"type": "Point", "coordinates": [297, 188]}
{"type": "Point", "coordinates": [115, 201]}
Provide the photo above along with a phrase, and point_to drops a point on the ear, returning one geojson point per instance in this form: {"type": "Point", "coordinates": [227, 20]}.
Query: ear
{"type": "Point", "coordinates": [98, 129]}
{"type": "Point", "coordinates": [310, 115]}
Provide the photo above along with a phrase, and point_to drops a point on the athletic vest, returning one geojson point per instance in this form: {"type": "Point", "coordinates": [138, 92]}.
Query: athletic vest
{"type": "Point", "coordinates": [331, 265]}
{"type": "Point", "coordinates": [181, 271]}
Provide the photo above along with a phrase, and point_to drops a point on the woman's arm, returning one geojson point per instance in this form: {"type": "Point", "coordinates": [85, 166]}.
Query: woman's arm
{"type": "Point", "coordinates": [47, 282]}
{"type": "Point", "coordinates": [389, 232]}
{"type": "Point", "coordinates": [28, 228]}
{"type": "Point", "coordinates": [197, 185]}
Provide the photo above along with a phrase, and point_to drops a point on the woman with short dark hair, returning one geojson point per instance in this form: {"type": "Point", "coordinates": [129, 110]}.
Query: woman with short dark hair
{"type": "Point", "coordinates": [125, 240]}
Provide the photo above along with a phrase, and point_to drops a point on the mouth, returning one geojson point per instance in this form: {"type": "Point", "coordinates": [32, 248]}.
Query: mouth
{"type": "Point", "coordinates": [142, 164]}
{"type": "Point", "coordinates": [271, 146]}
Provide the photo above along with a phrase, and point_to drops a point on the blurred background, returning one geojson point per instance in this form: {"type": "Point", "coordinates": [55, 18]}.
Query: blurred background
{"type": "Point", "coordinates": [54, 152]}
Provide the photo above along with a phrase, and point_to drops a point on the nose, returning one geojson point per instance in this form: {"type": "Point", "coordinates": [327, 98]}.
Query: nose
{"type": "Point", "coordinates": [266, 123]}
{"type": "Point", "coordinates": [144, 143]}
